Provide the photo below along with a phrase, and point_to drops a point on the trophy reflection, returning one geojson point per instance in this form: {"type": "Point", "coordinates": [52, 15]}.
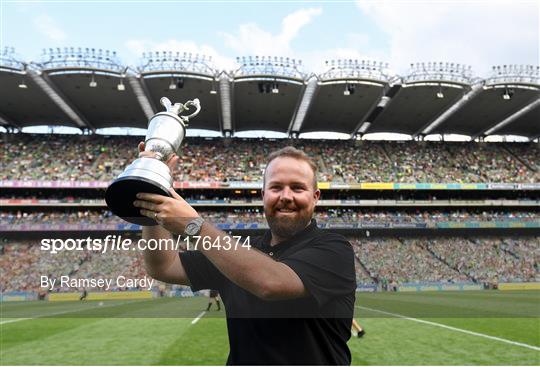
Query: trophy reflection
{"type": "Point", "coordinates": [166, 132]}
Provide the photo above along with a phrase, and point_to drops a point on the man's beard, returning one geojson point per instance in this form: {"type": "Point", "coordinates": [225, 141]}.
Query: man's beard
{"type": "Point", "coordinates": [285, 227]}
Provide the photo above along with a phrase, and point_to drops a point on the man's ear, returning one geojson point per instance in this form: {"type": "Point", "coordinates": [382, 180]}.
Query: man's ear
{"type": "Point", "coordinates": [317, 194]}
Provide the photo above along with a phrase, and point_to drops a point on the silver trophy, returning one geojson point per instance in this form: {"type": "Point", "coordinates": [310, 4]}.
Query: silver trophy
{"type": "Point", "coordinates": [166, 131]}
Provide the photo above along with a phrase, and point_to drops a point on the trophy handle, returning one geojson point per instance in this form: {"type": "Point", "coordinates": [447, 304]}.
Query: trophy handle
{"type": "Point", "coordinates": [166, 102]}
{"type": "Point", "coordinates": [195, 103]}
{"type": "Point", "coordinates": [178, 108]}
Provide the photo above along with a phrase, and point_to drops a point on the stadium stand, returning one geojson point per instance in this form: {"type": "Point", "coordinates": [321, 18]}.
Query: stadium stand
{"type": "Point", "coordinates": [23, 263]}
{"type": "Point", "coordinates": [101, 158]}
{"type": "Point", "coordinates": [384, 262]}
{"type": "Point", "coordinates": [379, 261]}
{"type": "Point", "coordinates": [255, 215]}
{"type": "Point", "coordinates": [392, 260]}
{"type": "Point", "coordinates": [487, 260]}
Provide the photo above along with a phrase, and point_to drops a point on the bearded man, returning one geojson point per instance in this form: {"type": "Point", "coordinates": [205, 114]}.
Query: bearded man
{"type": "Point", "coordinates": [289, 298]}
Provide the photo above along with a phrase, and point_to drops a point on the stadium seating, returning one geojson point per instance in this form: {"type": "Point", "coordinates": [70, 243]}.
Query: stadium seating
{"type": "Point", "coordinates": [23, 262]}
{"type": "Point", "coordinates": [102, 158]}
{"type": "Point", "coordinates": [392, 260]}
{"type": "Point", "coordinates": [255, 215]}
{"type": "Point", "coordinates": [379, 261]}
{"type": "Point", "coordinates": [490, 259]}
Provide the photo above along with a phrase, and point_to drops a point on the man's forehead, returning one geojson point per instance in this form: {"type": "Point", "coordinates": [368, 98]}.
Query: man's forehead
{"type": "Point", "coordinates": [289, 169]}
{"type": "Point", "coordinates": [288, 164]}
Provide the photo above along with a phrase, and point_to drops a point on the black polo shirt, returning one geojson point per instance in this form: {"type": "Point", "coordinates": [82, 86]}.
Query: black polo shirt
{"type": "Point", "coordinates": [307, 331]}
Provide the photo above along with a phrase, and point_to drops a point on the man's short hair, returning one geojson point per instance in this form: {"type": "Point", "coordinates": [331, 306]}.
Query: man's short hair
{"type": "Point", "coordinates": [292, 152]}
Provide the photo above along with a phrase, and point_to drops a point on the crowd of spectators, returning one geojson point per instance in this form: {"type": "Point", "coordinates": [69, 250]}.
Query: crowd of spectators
{"type": "Point", "coordinates": [256, 215]}
{"type": "Point", "coordinates": [390, 260]}
{"type": "Point", "coordinates": [379, 261]}
{"type": "Point", "coordinates": [72, 216]}
{"type": "Point", "coordinates": [529, 153]}
{"type": "Point", "coordinates": [459, 162]}
{"type": "Point", "coordinates": [488, 260]}
{"type": "Point", "coordinates": [356, 214]}
{"type": "Point", "coordinates": [102, 158]}
{"type": "Point", "coordinates": [529, 250]}
{"type": "Point", "coordinates": [23, 263]}
{"type": "Point", "coordinates": [362, 274]}
{"type": "Point", "coordinates": [112, 264]}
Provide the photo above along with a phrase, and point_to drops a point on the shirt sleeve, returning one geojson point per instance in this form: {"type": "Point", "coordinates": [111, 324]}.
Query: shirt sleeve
{"type": "Point", "coordinates": [202, 274]}
{"type": "Point", "coordinates": [326, 267]}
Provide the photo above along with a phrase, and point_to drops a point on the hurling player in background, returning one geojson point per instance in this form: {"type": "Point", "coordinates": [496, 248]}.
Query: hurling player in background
{"type": "Point", "coordinates": [357, 330]}
{"type": "Point", "coordinates": [213, 296]}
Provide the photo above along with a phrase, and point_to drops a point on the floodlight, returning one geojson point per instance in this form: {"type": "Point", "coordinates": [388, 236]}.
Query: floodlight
{"type": "Point", "coordinates": [507, 95]}
{"type": "Point", "coordinates": [275, 88]}
{"type": "Point", "coordinates": [93, 82]}
{"type": "Point", "coordinates": [213, 91]}
{"type": "Point", "coordinates": [347, 91]}
{"type": "Point", "coordinates": [121, 87]}
{"type": "Point", "coordinates": [23, 85]}
{"type": "Point", "coordinates": [440, 94]}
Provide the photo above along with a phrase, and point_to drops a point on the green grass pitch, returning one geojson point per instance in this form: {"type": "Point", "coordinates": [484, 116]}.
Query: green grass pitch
{"type": "Point", "coordinates": [425, 328]}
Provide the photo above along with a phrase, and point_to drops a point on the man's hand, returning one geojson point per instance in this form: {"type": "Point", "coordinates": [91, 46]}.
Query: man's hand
{"type": "Point", "coordinates": [173, 214]}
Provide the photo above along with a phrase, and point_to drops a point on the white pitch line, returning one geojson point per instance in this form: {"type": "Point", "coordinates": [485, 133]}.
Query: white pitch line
{"type": "Point", "coordinates": [453, 328]}
{"type": "Point", "coordinates": [15, 320]}
{"type": "Point", "coordinates": [196, 319]}
{"type": "Point", "coordinates": [44, 315]}
{"type": "Point", "coordinates": [61, 312]}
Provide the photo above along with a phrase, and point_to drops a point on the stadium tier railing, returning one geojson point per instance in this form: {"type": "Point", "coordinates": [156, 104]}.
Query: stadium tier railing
{"type": "Point", "coordinates": [126, 227]}
{"type": "Point", "coordinates": [98, 203]}
{"type": "Point", "coordinates": [258, 185]}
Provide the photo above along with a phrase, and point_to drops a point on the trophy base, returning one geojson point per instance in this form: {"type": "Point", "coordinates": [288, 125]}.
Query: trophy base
{"type": "Point", "coordinates": [123, 192]}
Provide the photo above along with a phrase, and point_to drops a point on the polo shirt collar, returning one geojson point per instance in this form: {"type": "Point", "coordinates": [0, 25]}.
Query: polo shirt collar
{"type": "Point", "coordinates": [306, 232]}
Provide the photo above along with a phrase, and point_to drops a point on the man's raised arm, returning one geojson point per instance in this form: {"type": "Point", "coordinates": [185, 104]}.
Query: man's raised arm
{"type": "Point", "coordinates": [250, 269]}
{"type": "Point", "coordinates": [164, 263]}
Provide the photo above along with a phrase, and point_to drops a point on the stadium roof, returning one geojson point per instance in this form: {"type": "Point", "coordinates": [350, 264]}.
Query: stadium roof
{"type": "Point", "coordinates": [413, 106]}
{"type": "Point", "coordinates": [264, 102]}
{"type": "Point", "coordinates": [28, 106]}
{"type": "Point", "coordinates": [487, 108]}
{"type": "Point", "coordinates": [342, 105]}
{"type": "Point", "coordinates": [91, 89]}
